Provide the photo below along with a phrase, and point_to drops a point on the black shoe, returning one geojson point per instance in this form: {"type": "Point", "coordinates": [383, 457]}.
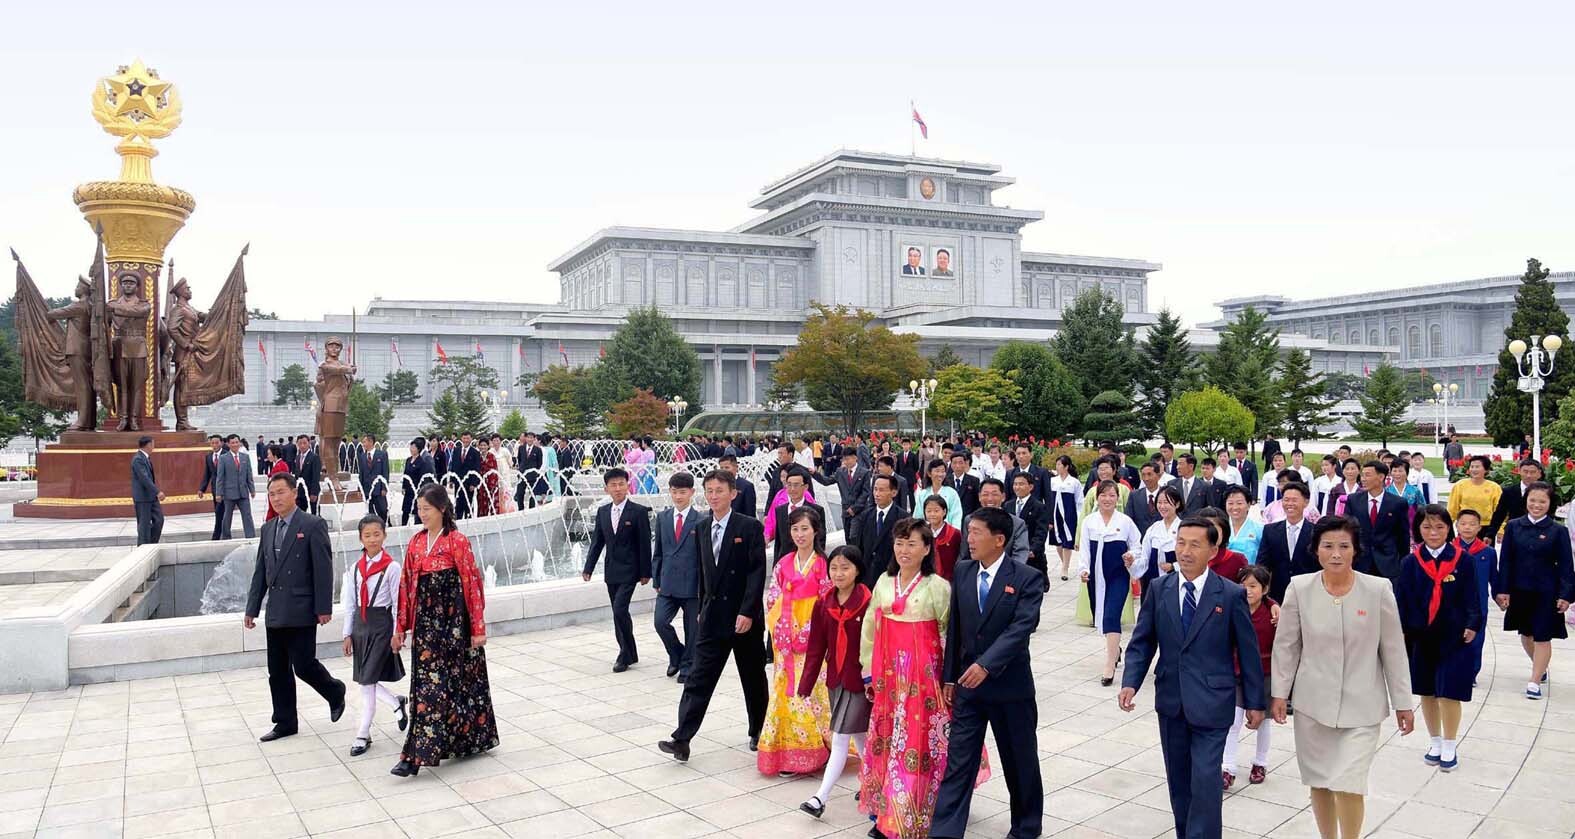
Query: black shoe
{"type": "Point", "coordinates": [404, 719]}
{"type": "Point", "coordinates": [405, 769]}
{"type": "Point", "coordinates": [359, 745]}
{"type": "Point", "coordinates": [275, 734]}
{"type": "Point", "coordinates": [337, 709]}
{"type": "Point", "coordinates": [1106, 681]}
{"type": "Point", "coordinates": [754, 742]}
{"type": "Point", "coordinates": [619, 667]}
{"type": "Point", "coordinates": [683, 677]}
{"type": "Point", "coordinates": [677, 748]}
{"type": "Point", "coordinates": [814, 806]}
{"type": "Point", "coordinates": [875, 833]}
{"type": "Point", "coordinates": [671, 671]}
{"type": "Point", "coordinates": [1063, 578]}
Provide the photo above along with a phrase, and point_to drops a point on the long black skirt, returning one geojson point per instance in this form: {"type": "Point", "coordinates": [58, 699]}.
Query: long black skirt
{"type": "Point", "coordinates": [450, 699]}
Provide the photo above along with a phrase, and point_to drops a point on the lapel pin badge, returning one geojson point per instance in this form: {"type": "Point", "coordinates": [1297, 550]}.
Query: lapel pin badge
{"type": "Point", "coordinates": [1219, 610]}
{"type": "Point", "coordinates": [1010, 590]}
{"type": "Point", "coordinates": [1361, 613]}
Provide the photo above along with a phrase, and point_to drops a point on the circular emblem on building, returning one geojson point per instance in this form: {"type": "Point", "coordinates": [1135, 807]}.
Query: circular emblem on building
{"type": "Point", "coordinates": [927, 188]}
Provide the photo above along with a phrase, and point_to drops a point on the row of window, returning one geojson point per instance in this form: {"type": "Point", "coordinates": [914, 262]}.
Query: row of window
{"type": "Point", "coordinates": [1413, 339]}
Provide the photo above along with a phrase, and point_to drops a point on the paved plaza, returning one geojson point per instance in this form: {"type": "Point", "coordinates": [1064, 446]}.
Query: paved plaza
{"type": "Point", "coordinates": [179, 757]}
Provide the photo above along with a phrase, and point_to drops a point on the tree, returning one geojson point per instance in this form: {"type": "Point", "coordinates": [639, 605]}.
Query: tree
{"type": "Point", "coordinates": [781, 396]}
{"type": "Point", "coordinates": [1207, 419]}
{"type": "Point", "coordinates": [1095, 344]}
{"type": "Point", "coordinates": [1110, 417]}
{"type": "Point", "coordinates": [472, 414]}
{"type": "Point", "coordinates": [1383, 407]}
{"type": "Point", "coordinates": [292, 388]}
{"type": "Point", "coordinates": [463, 373]}
{"type": "Point", "coordinates": [943, 358]}
{"type": "Point", "coordinates": [258, 314]}
{"type": "Point", "coordinates": [1166, 366]}
{"type": "Point", "coordinates": [365, 414]}
{"type": "Point", "coordinates": [565, 418]}
{"type": "Point", "coordinates": [399, 387]}
{"type": "Point", "coordinates": [847, 364]}
{"type": "Point", "coordinates": [1418, 385]}
{"type": "Point", "coordinates": [647, 352]}
{"type": "Point", "coordinates": [1342, 386]}
{"type": "Point", "coordinates": [1537, 312]}
{"type": "Point", "coordinates": [513, 425]}
{"type": "Point", "coordinates": [977, 399]}
{"type": "Point", "coordinates": [642, 415]}
{"type": "Point", "coordinates": [1304, 399]}
{"type": "Point", "coordinates": [1051, 398]}
{"type": "Point", "coordinates": [1243, 365]}
{"type": "Point", "coordinates": [443, 416]}
{"type": "Point", "coordinates": [575, 397]}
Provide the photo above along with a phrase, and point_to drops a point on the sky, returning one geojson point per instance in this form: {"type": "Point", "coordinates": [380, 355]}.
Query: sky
{"type": "Point", "coordinates": [419, 150]}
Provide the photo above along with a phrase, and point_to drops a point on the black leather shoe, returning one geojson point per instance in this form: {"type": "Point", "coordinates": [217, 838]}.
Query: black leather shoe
{"type": "Point", "coordinates": [814, 806]}
{"type": "Point", "coordinates": [337, 709]}
{"type": "Point", "coordinates": [620, 667]}
{"type": "Point", "coordinates": [754, 742]}
{"type": "Point", "coordinates": [405, 769]}
{"type": "Point", "coordinates": [683, 677]}
{"type": "Point", "coordinates": [1106, 681]}
{"type": "Point", "coordinates": [875, 833]}
{"type": "Point", "coordinates": [404, 719]}
{"type": "Point", "coordinates": [677, 748]}
{"type": "Point", "coordinates": [275, 734]}
{"type": "Point", "coordinates": [359, 745]}
{"type": "Point", "coordinates": [671, 672]}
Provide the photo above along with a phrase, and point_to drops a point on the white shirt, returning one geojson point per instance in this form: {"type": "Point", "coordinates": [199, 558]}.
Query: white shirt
{"type": "Point", "coordinates": [1306, 473]}
{"type": "Point", "coordinates": [1096, 532]}
{"type": "Point", "coordinates": [1159, 540]}
{"type": "Point", "coordinates": [1197, 591]}
{"type": "Point", "coordinates": [1068, 484]}
{"type": "Point", "coordinates": [1320, 487]}
{"type": "Point", "coordinates": [382, 591]}
{"type": "Point", "coordinates": [1227, 473]}
{"type": "Point", "coordinates": [615, 513]}
{"type": "Point", "coordinates": [1292, 533]}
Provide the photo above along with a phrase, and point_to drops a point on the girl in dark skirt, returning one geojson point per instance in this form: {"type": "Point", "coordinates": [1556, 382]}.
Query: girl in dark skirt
{"type": "Point", "coordinates": [1066, 496]}
{"type": "Point", "coordinates": [836, 630]}
{"type": "Point", "coordinates": [1535, 581]}
{"type": "Point", "coordinates": [1436, 591]}
{"type": "Point", "coordinates": [369, 598]}
{"type": "Point", "coordinates": [440, 612]}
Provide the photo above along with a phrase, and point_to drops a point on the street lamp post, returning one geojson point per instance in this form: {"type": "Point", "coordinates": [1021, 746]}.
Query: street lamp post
{"type": "Point", "coordinates": [1442, 396]}
{"type": "Point", "coordinates": [1529, 360]}
{"type": "Point", "coordinates": [923, 391]}
{"type": "Point", "coordinates": [677, 406]}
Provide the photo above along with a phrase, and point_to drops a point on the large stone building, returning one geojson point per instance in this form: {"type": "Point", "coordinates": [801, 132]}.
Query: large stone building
{"type": "Point", "coordinates": [923, 243]}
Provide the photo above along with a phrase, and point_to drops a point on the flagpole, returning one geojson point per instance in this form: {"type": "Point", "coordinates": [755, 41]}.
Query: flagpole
{"type": "Point", "coordinates": [913, 147]}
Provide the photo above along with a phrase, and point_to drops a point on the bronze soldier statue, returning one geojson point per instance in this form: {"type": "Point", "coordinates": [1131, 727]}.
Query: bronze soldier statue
{"type": "Point", "coordinates": [182, 323]}
{"type": "Point", "coordinates": [128, 351]}
{"type": "Point", "coordinates": [78, 316]}
{"type": "Point", "coordinates": [333, 401]}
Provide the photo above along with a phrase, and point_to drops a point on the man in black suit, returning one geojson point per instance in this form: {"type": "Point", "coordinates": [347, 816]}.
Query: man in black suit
{"type": "Point", "coordinates": [308, 468]}
{"type": "Point", "coordinates": [371, 464]}
{"type": "Point", "coordinates": [1248, 470]}
{"type": "Point", "coordinates": [1196, 493]}
{"type": "Point", "coordinates": [1383, 520]}
{"type": "Point", "coordinates": [1036, 519]}
{"type": "Point", "coordinates": [1286, 547]}
{"type": "Point", "coordinates": [853, 484]}
{"type": "Point", "coordinates": [796, 483]}
{"type": "Point", "coordinates": [210, 482]}
{"type": "Point", "coordinates": [146, 499]}
{"type": "Point", "coordinates": [1215, 484]}
{"type": "Point", "coordinates": [732, 588]}
{"type": "Point", "coordinates": [1024, 462]}
{"type": "Point", "coordinates": [1271, 447]}
{"type": "Point", "coordinates": [465, 465]}
{"type": "Point", "coordinates": [532, 481]}
{"type": "Point", "coordinates": [988, 678]}
{"type": "Point", "coordinates": [439, 457]}
{"type": "Point", "coordinates": [295, 568]}
{"type": "Point", "coordinates": [874, 526]}
{"type": "Point", "coordinates": [1140, 502]}
{"type": "Point", "coordinates": [744, 500]}
{"type": "Point", "coordinates": [887, 465]}
{"type": "Point", "coordinates": [1167, 459]}
{"type": "Point", "coordinates": [965, 485]}
{"type": "Point", "coordinates": [418, 471]}
{"type": "Point", "coordinates": [783, 462]}
{"type": "Point", "coordinates": [623, 527]}
{"type": "Point", "coordinates": [1512, 504]}
{"type": "Point", "coordinates": [260, 452]}
{"type": "Point", "coordinates": [908, 465]}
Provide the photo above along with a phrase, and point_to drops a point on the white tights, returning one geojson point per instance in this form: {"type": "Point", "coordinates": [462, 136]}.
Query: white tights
{"type": "Point", "coordinates": [1232, 740]}
{"type": "Point", "coordinates": [836, 762]}
{"type": "Point", "coordinates": [370, 696]}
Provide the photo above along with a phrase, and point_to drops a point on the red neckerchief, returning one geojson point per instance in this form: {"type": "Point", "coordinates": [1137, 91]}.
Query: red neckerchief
{"type": "Point", "coordinates": [1436, 570]}
{"type": "Point", "coordinates": [383, 561]}
{"type": "Point", "coordinates": [842, 614]}
{"type": "Point", "coordinates": [1477, 546]}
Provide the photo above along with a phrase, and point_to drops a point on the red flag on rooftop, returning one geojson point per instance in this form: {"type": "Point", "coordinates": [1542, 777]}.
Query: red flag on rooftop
{"type": "Point", "coordinates": [442, 356]}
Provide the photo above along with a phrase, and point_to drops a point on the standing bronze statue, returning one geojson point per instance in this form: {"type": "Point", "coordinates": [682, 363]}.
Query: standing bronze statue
{"type": "Point", "coordinates": [333, 402]}
{"type": "Point", "coordinates": [128, 350]}
{"type": "Point", "coordinates": [64, 371]}
{"type": "Point", "coordinates": [181, 324]}
{"type": "Point", "coordinates": [78, 316]}
{"type": "Point", "coordinates": [207, 359]}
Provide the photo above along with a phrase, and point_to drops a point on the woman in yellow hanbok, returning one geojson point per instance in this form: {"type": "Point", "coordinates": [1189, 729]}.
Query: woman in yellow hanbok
{"type": "Point", "coordinates": [796, 736]}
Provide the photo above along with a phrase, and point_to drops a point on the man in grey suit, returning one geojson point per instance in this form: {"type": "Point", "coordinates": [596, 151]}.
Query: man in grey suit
{"type": "Point", "coordinates": [295, 568]}
{"type": "Point", "coordinates": [992, 494]}
{"type": "Point", "coordinates": [235, 488]}
{"type": "Point", "coordinates": [1140, 503]}
{"type": "Point", "coordinates": [853, 484]}
{"type": "Point", "coordinates": [145, 495]}
{"type": "Point", "coordinates": [1196, 493]}
{"type": "Point", "coordinates": [675, 572]}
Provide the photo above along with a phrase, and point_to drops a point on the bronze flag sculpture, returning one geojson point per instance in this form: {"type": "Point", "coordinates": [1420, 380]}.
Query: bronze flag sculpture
{"type": "Point", "coordinates": [208, 361]}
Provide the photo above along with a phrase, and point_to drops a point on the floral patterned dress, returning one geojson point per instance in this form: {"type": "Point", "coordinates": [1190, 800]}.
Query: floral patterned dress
{"type": "Point", "coordinates": [796, 736]}
{"type": "Point", "coordinates": [441, 604]}
{"type": "Point", "coordinates": [489, 499]}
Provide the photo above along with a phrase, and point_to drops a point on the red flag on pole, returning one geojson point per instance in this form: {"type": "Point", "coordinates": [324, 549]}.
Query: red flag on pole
{"type": "Point", "coordinates": [442, 356]}
{"type": "Point", "coordinates": [563, 354]}
{"type": "Point", "coordinates": [601, 350]}
{"type": "Point", "coordinates": [262, 351]}
{"type": "Point", "coordinates": [924, 130]}
{"type": "Point", "coordinates": [525, 360]}
{"type": "Point", "coordinates": [393, 347]}
{"type": "Point", "coordinates": [311, 351]}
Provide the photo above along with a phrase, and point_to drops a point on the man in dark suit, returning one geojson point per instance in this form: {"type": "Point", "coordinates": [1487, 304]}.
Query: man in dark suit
{"type": "Point", "coordinates": [965, 485]}
{"type": "Point", "coordinates": [783, 462]}
{"type": "Point", "coordinates": [1024, 462]}
{"type": "Point", "coordinates": [532, 481]}
{"type": "Point", "coordinates": [235, 488]}
{"type": "Point", "coordinates": [1167, 458]}
{"type": "Point", "coordinates": [796, 483]}
{"type": "Point", "coordinates": [371, 464]}
{"type": "Point", "coordinates": [1271, 447]}
{"type": "Point", "coordinates": [1212, 481]}
{"type": "Point", "coordinates": [887, 465]}
{"type": "Point", "coordinates": [295, 568]}
{"type": "Point", "coordinates": [418, 472]}
{"type": "Point", "coordinates": [908, 464]}
{"type": "Point", "coordinates": [260, 452]}
{"type": "Point", "coordinates": [145, 495]}
{"type": "Point", "coordinates": [1286, 546]}
{"type": "Point", "coordinates": [464, 464]}
{"type": "Point", "coordinates": [853, 485]}
{"type": "Point", "coordinates": [210, 482]}
{"type": "Point", "coordinates": [1196, 493]}
{"type": "Point", "coordinates": [744, 500]}
{"type": "Point", "coordinates": [308, 468]}
{"type": "Point", "coordinates": [623, 528]}
{"type": "Point", "coordinates": [1248, 470]}
{"type": "Point", "coordinates": [988, 678]}
{"type": "Point", "coordinates": [1035, 517]}
{"type": "Point", "coordinates": [1140, 502]}
{"type": "Point", "coordinates": [873, 529]}
{"type": "Point", "coordinates": [1198, 624]}
{"type": "Point", "coordinates": [1384, 521]}
{"type": "Point", "coordinates": [439, 456]}
{"type": "Point", "coordinates": [732, 588]}
{"type": "Point", "coordinates": [675, 572]}
{"type": "Point", "coordinates": [1512, 504]}
{"type": "Point", "coordinates": [992, 495]}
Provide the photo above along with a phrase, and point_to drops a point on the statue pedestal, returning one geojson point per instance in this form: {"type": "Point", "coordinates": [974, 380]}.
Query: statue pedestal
{"type": "Point", "coordinates": [87, 475]}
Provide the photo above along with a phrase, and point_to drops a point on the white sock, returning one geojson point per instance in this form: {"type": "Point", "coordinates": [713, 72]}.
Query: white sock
{"type": "Point", "coordinates": [368, 708]}
{"type": "Point", "coordinates": [386, 696]}
{"type": "Point", "coordinates": [1435, 744]}
{"type": "Point", "coordinates": [1233, 742]}
{"type": "Point", "coordinates": [1448, 752]}
{"type": "Point", "coordinates": [834, 765]}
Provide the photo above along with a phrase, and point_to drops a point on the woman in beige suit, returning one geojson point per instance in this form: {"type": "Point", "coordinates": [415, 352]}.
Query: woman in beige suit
{"type": "Point", "coordinates": [1339, 646]}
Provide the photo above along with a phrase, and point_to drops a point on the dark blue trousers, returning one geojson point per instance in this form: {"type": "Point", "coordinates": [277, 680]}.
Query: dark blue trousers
{"type": "Point", "coordinates": [1192, 769]}
{"type": "Point", "coordinates": [1016, 725]}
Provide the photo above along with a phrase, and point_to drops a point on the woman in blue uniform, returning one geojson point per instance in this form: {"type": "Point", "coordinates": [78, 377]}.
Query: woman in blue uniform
{"type": "Point", "coordinates": [1066, 493]}
{"type": "Point", "coordinates": [1104, 554]}
{"type": "Point", "coordinates": [1535, 581]}
{"type": "Point", "coordinates": [1440, 614]}
{"type": "Point", "coordinates": [1158, 553]}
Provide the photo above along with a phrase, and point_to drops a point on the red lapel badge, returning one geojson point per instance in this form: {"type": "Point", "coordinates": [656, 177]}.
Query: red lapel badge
{"type": "Point", "coordinates": [1010, 590]}
{"type": "Point", "coordinates": [738, 540]}
{"type": "Point", "coordinates": [1219, 610]}
{"type": "Point", "coordinates": [300, 535]}
{"type": "Point", "coordinates": [1361, 613]}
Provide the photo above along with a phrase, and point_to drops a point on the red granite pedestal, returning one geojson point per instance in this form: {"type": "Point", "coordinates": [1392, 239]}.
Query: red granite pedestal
{"type": "Point", "coordinates": [87, 475]}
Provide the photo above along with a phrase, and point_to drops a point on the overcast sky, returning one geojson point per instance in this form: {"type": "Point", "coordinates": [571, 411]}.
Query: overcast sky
{"type": "Point", "coordinates": [454, 149]}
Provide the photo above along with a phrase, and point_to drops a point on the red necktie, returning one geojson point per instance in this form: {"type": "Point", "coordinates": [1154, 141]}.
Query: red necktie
{"type": "Point", "coordinates": [1373, 516]}
{"type": "Point", "coordinates": [678, 527]}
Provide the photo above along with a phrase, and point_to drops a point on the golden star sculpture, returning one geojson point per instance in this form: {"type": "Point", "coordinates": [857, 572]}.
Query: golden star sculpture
{"type": "Point", "coordinates": [136, 104]}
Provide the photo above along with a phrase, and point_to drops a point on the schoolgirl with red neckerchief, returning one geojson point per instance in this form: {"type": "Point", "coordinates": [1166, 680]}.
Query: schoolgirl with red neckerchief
{"type": "Point", "coordinates": [836, 630]}
{"type": "Point", "coordinates": [369, 599]}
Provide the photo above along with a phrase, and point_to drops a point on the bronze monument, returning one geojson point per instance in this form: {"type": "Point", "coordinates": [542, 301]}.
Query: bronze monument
{"type": "Point", "coordinates": [333, 401]}
{"type": "Point", "coordinates": [207, 359]}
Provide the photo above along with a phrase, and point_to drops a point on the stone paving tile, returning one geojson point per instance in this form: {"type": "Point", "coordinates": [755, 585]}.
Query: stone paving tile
{"type": "Point", "coordinates": [178, 756]}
